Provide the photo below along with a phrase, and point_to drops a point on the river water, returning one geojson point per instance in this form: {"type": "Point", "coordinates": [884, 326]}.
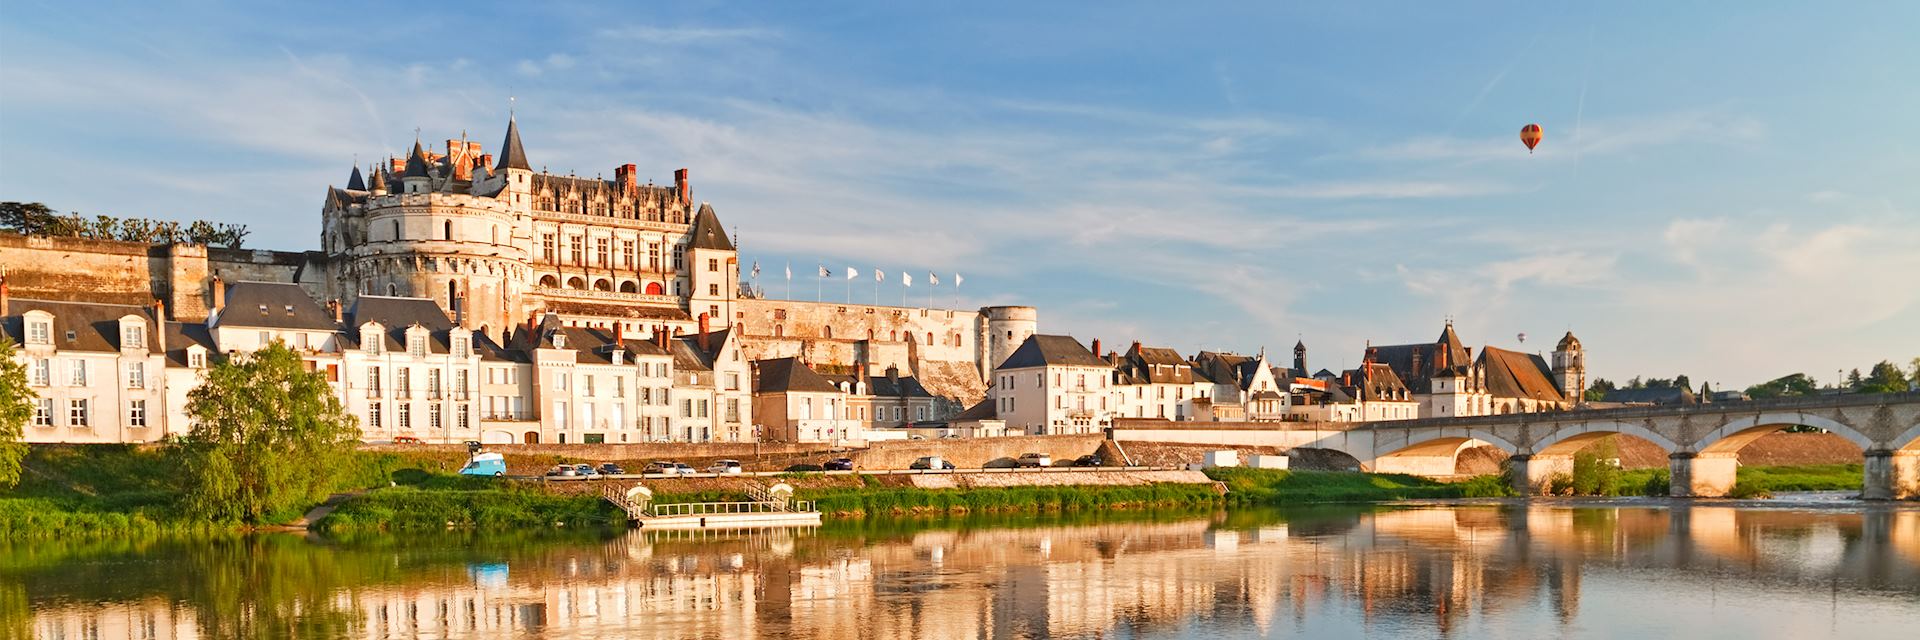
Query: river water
{"type": "Point", "coordinates": [1615, 569]}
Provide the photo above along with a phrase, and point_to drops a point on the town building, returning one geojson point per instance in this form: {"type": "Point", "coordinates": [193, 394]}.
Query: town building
{"type": "Point", "coordinates": [1053, 385]}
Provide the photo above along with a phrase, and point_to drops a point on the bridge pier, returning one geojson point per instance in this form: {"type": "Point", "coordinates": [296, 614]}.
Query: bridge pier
{"type": "Point", "coordinates": [1533, 473]}
{"type": "Point", "coordinates": [1701, 475]}
{"type": "Point", "coordinates": [1891, 475]}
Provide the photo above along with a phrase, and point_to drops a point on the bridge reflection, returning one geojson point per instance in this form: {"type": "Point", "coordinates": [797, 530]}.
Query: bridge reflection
{"type": "Point", "coordinates": [1408, 570]}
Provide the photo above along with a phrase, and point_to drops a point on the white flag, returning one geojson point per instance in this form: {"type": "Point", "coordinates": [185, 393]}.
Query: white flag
{"type": "Point", "coordinates": [907, 278]}
{"type": "Point", "coordinates": [957, 280]}
{"type": "Point", "coordinates": [824, 273]}
{"type": "Point", "coordinates": [933, 280]}
{"type": "Point", "coordinates": [789, 272]}
{"type": "Point", "coordinates": [879, 276]}
{"type": "Point", "coordinates": [852, 273]}
{"type": "Point", "coordinates": [756, 268]}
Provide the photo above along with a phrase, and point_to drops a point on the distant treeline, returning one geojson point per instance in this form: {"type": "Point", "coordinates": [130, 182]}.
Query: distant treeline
{"type": "Point", "coordinates": [1885, 377]}
{"type": "Point", "coordinates": [35, 219]}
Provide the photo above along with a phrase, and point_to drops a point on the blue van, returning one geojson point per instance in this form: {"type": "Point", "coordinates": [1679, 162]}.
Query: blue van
{"type": "Point", "coordinates": [485, 464]}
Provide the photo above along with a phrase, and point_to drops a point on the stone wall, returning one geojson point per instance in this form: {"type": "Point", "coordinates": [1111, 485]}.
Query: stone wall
{"type": "Point", "coordinates": [976, 452]}
{"type": "Point", "coordinates": [1057, 479]}
{"type": "Point", "coordinates": [135, 273]}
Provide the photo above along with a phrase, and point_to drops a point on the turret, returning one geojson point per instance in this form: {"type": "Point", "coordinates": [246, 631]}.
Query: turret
{"type": "Point", "coordinates": [1570, 368]}
{"type": "Point", "coordinates": [417, 179]}
{"type": "Point", "coordinates": [513, 169]}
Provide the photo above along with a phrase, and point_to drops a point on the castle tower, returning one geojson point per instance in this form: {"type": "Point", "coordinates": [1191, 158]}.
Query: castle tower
{"type": "Point", "coordinates": [713, 269]}
{"type": "Point", "coordinates": [1570, 369]}
{"type": "Point", "coordinates": [1005, 328]}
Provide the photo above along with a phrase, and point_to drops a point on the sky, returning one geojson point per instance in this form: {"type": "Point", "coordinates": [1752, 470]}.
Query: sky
{"type": "Point", "coordinates": [1731, 192]}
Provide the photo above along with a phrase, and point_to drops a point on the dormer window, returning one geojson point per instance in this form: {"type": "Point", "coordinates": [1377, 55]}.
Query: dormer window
{"type": "Point", "coordinates": [559, 341]}
{"type": "Point", "coordinates": [133, 337]}
{"type": "Point", "coordinates": [417, 346]}
{"type": "Point", "coordinates": [39, 332]}
{"type": "Point", "coordinates": [460, 347]}
{"type": "Point", "coordinates": [370, 340]}
{"type": "Point", "coordinates": [263, 310]}
{"type": "Point", "coordinates": [197, 359]}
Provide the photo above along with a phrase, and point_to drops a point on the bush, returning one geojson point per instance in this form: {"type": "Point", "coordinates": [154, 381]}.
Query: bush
{"type": "Point", "coordinates": [805, 467]}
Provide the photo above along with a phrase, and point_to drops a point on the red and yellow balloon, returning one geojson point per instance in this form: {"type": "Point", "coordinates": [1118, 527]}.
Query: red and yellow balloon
{"type": "Point", "coordinates": [1530, 135]}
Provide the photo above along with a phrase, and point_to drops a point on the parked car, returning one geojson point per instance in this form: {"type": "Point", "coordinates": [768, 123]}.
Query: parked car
{"type": "Point", "coordinates": [611, 469]}
{"type": "Point", "coordinates": [1034, 460]}
{"type": "Point", "coordinates": [405, 440]}
{"type": "Point", "coordinates": [838, 464]}
{"type": "Point", "coordinates": [684, 469]}
{"type": "Point", "coordinates": [725, 466]}
{"type": "Point", "coordinates": [915, 436]}
{"type": "Point", "coordinates": [563, 471]}
{"type": "Point", "coordinates": [660, 466]}
{"type": "Point", "coordinates": [930, 462]}
{"type": "Point", "coordinates": [1087, 461]}
{"type": "Point", "coordinates": [485, 464]}
{"type": "Point", "coordinates": [950, 436]}
{"type": "Point", "coordinates": [587, 471]}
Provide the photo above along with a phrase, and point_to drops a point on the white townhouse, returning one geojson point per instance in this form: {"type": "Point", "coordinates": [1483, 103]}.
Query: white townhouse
{"type": "Point", "coordinates": [98, 369]}
{"type": "Point", "coordinates": [1053, 385]}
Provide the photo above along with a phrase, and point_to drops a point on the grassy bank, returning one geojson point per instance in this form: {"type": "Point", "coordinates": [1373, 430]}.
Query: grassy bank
{"type": "Point", "coordinates": [1279, 487]}
{"type": "Point", "coordinates": [512, 506]}
{"type": "Point", "coordinates": [888, 501]}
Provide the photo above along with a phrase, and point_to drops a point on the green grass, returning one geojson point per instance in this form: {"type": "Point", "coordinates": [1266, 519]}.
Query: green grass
{"type": "Point", "coordinates": [1811, 477]}
{"type": "Point", "coordinates": [1273, 486]}
{"type": "Point", "coordinates": [873, 500]}
{"type": "Point", "coordinates": [508, 507]}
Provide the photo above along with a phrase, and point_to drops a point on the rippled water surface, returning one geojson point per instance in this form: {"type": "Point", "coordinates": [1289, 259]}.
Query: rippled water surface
{"type": "Point", "coordinates": [1621, 570]}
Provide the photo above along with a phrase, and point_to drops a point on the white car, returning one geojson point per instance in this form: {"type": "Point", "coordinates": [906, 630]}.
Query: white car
{"type": "Point", "coordinates": [725, 466]}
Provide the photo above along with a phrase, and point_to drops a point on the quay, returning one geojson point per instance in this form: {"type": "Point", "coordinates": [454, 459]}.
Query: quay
{"type": "Point", "coordinates": [768, 507]}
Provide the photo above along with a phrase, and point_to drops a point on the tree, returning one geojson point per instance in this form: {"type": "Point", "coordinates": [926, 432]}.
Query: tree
{"type": "Point", "coordinates": [1682, 382]}
{"type": "Point", "coordinates": [1797, 384]}
{"type": "Point", "coordinates": [1598, 390]}
{"type": "Point", "coordinates": [1853, 379]}
{"type": "Point", "coordinates": [1885, 378]}
{"type": "Point", "coordinates": [267, 438]}
{"type": "Point", "coordinates": [16, 406]}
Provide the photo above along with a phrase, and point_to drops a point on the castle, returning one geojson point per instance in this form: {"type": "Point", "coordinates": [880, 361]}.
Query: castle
{"type": "Point", "coordinates": [509, 258]}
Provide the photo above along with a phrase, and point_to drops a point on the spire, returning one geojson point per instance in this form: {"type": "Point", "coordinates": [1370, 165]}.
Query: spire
{"type": "Point", "coordinates": [379, 183]}
{"type": "Point", "coordinates": [354, 182]}
{"type": "Point", "coordinates": [417, 161]}
{"type": "Point", "coordinates": [512, 155]}
{"type": "Point", "coordinates": [707, 232]}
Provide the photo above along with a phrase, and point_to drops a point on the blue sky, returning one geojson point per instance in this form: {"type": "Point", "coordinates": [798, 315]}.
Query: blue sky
{"type": "Point", "coordinates": [1727, 192]}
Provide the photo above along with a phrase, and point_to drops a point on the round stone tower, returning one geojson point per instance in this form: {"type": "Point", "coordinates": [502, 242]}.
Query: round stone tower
{"type": "Point", "coordinates": [1005, 328]}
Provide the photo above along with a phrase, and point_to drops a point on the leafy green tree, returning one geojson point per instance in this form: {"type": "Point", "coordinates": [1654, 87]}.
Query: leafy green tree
{"type": "Point", "coordinates": [1682, 382]}
{"type": "Point", "coordinates": [267, 438]}
{"type": "Point", "coordinates": [1885, 378]}
{"type": "Point", "coordinates": [16, 407]}
{"type": "Point", "coordinates": [1597, 391]}
{"type": "Point", "coordinates": [1798, 384]}
{"type": "Point", "coordinates": [1853, 379]}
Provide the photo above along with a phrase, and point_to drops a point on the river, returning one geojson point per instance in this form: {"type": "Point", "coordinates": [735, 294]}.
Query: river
{"type": "Point", "coordinates": [1608, 569]}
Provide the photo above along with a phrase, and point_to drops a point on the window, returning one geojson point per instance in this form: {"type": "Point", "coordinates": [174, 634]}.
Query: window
{"type": "Point", "coordinates": [713, 264]}
{"type": "Point", "coordinates": [686, 408]}
{"type": "Point", "coordinates": [137, 413]}
{"type": "Point", "coordinates": [460, 346]}
{"type": "Point", "coordinates": [403, 384]}
{"type": "Point", "coordinates": [42, 372]}
{"type": "Point", "coordinates": [433, 383]}
{"type": "Point", "coordinates": [447, 230]}
{"type": "Point", "coordinates": [560, 414]}
{"type": "Point", "coordinates": [417, 346]}
{"type": "Point", "coordinates": [733, 410]}
{"type": "Point", "coordinates": [619, 416]}
{"type": "Point", "coordinates": [43, 412]}
{"type": "Point", "coordinates": [433, 416]}
{"type": "Point", "coordinates": [586, 415]}
{"type": "Point", "coordinates": [134, 337]}
{"type": "Point", "coordinates": [547, 247]}
{"type": "Point", "coordinates": [679, 257]}
{"type": "Point", "coordinates": [461, 417]}
{"type": "Point", "coordinates": [460, 384]}
{"type": "Point", "coordinates": [373, 416]}
{"type": "Point", "coordinates": [703, 407]}
{"type": "Point", "coordinates": [77, 412]}
{"type": "Point", "coordinates": [600, 251]}
{"type": "Point", "coordinates": [586, 385]}
{"type": "Point", "coordinates": [78, 369]}
{"type": "Point", "coordinates": [619, 386]}
{"type": "Point", "coordinates": [136, 375]}
{"type": "Point", "coordinates": [406, 417]}
{"type": "Point", "coordinates": [373, 382]}
{"type": "Point", "coordinates": [626, 254]}
{"type": "Point", "coordinates": [713, 290]}
{"type": "Point", "coordinates": [560, 381]}
{"type": "Point", "coordinates": [733, 382]}
{"type": "Point", "coordinates": [575, 247]}
{"type": "Point", "coordinates": [39, 332]}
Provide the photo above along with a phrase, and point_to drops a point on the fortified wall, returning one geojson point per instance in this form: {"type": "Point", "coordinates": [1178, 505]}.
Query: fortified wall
{"type": "Point", "coordinates": [136, 273]}
{"type": "Point", "coordinates": [950, 351]}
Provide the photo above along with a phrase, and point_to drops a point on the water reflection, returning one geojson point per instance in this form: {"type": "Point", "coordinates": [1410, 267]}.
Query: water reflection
{"type": "Point", "coordinates": [1514, 570]}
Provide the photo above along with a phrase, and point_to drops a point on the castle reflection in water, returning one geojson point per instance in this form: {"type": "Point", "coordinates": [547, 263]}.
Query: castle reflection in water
{"type": "Point", "coordinates": [1421, 571]}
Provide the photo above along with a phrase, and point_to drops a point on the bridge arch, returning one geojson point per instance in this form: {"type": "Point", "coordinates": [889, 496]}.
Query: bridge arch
{"type": "Point", "coordinates": [1740, 432]}
{"type": "Point", "coordinates": [1573, 437]}
{"type": "Point", "coordinates": [1908, 440]}
{"type": "Point", "coordinates": [1436, 456]}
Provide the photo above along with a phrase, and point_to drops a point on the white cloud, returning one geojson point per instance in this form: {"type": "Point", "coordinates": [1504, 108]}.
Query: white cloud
{"type": "Point", "coordinates": [1600, 136]}
{"type": "Point", "coordinates": [687, 35]}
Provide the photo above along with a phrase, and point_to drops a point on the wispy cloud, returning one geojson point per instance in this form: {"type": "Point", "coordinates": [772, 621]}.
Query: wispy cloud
{"type": "Point", "coordinates": [1600, 137]}
{"type": "Point", "coordinates": [686, 35]}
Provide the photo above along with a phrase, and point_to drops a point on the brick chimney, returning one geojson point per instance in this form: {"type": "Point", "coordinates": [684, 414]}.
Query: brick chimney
{"type": "Point", "coordinates": [1346, 378]}
{"type": "Point", "coordinates": [620, 334]}
{"type": "Point", "coordinates": [627, 178]}
{"type": "Point", "coordinates": [1096, 349]}
{"type": "Point", "coordinates": [219, 295]}
{"type": "Point", "coordinates": [459, 302]}
{"type": "Point", "coordinates": [1136, 345]}
{"type": "Point", "coordinates": [705, 326]}
{"type": "Point", "coordinates": [660, 336]}
{"type": "Point", "coordinates": [6, 297]}
{"type": "Point", "coordinates": [684, 186]}
{"type": "Point", "coordinates": [486, 160]}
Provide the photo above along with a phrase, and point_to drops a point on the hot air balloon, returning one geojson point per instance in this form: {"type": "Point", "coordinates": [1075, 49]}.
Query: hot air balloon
{"type": "Point", "coordinates": [1530, 135]}
{"type": "Point", "coordinates": [1522, 337]}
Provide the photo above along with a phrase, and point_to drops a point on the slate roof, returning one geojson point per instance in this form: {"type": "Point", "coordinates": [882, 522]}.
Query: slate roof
{"type": "Point", "coordinates": [416, 162]}
{"type": "Point", "coordinates": [355, 182]}
{"type": "Point", "coordinates": [1041, 350]}
{"type": "Point", "coordinates": [570, 307]}
{"type": "Point", "coordinates": [272, 305]}
{"type": "Point", "coordinates": [92, 326]}
{"type": "Point", "coordinates": [181, 335]}
{"type": "Point", "coordinates": [1512, 374]}
{"type": "Point", "coordinates": [1376, 382]}
{"type": "Point", "coordinates": [512, 155]}
{"type": "Point", "coordinates": [707, 232]}
{"type": "Point", "coordinates": [982, 410]}
{"type": "Point", "coordinates": [1155, 365]}
{"type": "Point", "coordinates": [789, 375]}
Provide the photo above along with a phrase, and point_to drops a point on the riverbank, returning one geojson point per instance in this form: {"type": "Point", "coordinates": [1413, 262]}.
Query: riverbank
{"type": "Point", "coordinates": [111, 490]}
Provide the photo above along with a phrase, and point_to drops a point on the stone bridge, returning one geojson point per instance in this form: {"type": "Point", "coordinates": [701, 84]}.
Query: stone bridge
{"type": "Point", "coordinates": [1702, 441]}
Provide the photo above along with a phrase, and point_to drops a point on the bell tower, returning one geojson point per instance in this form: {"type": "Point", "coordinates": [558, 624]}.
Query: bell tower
{"type": "Point", "coordinates": [1570, 369]}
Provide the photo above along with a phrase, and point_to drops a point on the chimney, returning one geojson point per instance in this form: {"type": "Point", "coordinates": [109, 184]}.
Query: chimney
{"type": "Point", "coordinates": [704, 328]}
{"type": "Point", "coordinates": [1346, 378]}
{"type": "Point", "coordinates": [660, 336]}
{"type": "Point", "coordinates": [684, 186]}
{"type": "Point", "coordinates": [159, 322]}
{"type": "Point", "coordinates": [1371, 352]}
{"type": "Point", "coordinates": [1136, 345]}
{"type": "Point", "coordinates": [459, 309]}
{"type": "Point", "coordinates": [1096, 348]}
{"type": "Point", "coordinates": [893, 374]}
{"type": "Point", "coordinates": [219, 295]}
{"type": "Point", "coordinates": [627, 178]}
{"type": "Point", "coordinates": [5, 297]}
{"type": "Point", "coordinates": [333, 307]}
{"type": "Point", "coordinates": [486, 160]}
{"type": "Point", "coordinates": [620, 334]}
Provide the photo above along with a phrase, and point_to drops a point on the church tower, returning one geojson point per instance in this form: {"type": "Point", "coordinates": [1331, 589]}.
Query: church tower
{"type": "Point", "coordinates": [1300, 359]}
{"type": "Point", "coordinates": [1570, 369]}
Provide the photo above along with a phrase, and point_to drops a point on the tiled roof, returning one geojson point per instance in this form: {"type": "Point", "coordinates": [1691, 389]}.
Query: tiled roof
{"type": "Point", "coordinates": [1511, 374]}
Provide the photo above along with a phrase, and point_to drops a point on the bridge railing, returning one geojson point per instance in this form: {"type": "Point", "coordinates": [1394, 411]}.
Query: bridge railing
{"type": "Point", "coordinates": [1736, 407]}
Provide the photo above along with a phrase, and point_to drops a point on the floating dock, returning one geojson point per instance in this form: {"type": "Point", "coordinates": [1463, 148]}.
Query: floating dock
{"type": "Point", "coordinates": [768, 507]}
